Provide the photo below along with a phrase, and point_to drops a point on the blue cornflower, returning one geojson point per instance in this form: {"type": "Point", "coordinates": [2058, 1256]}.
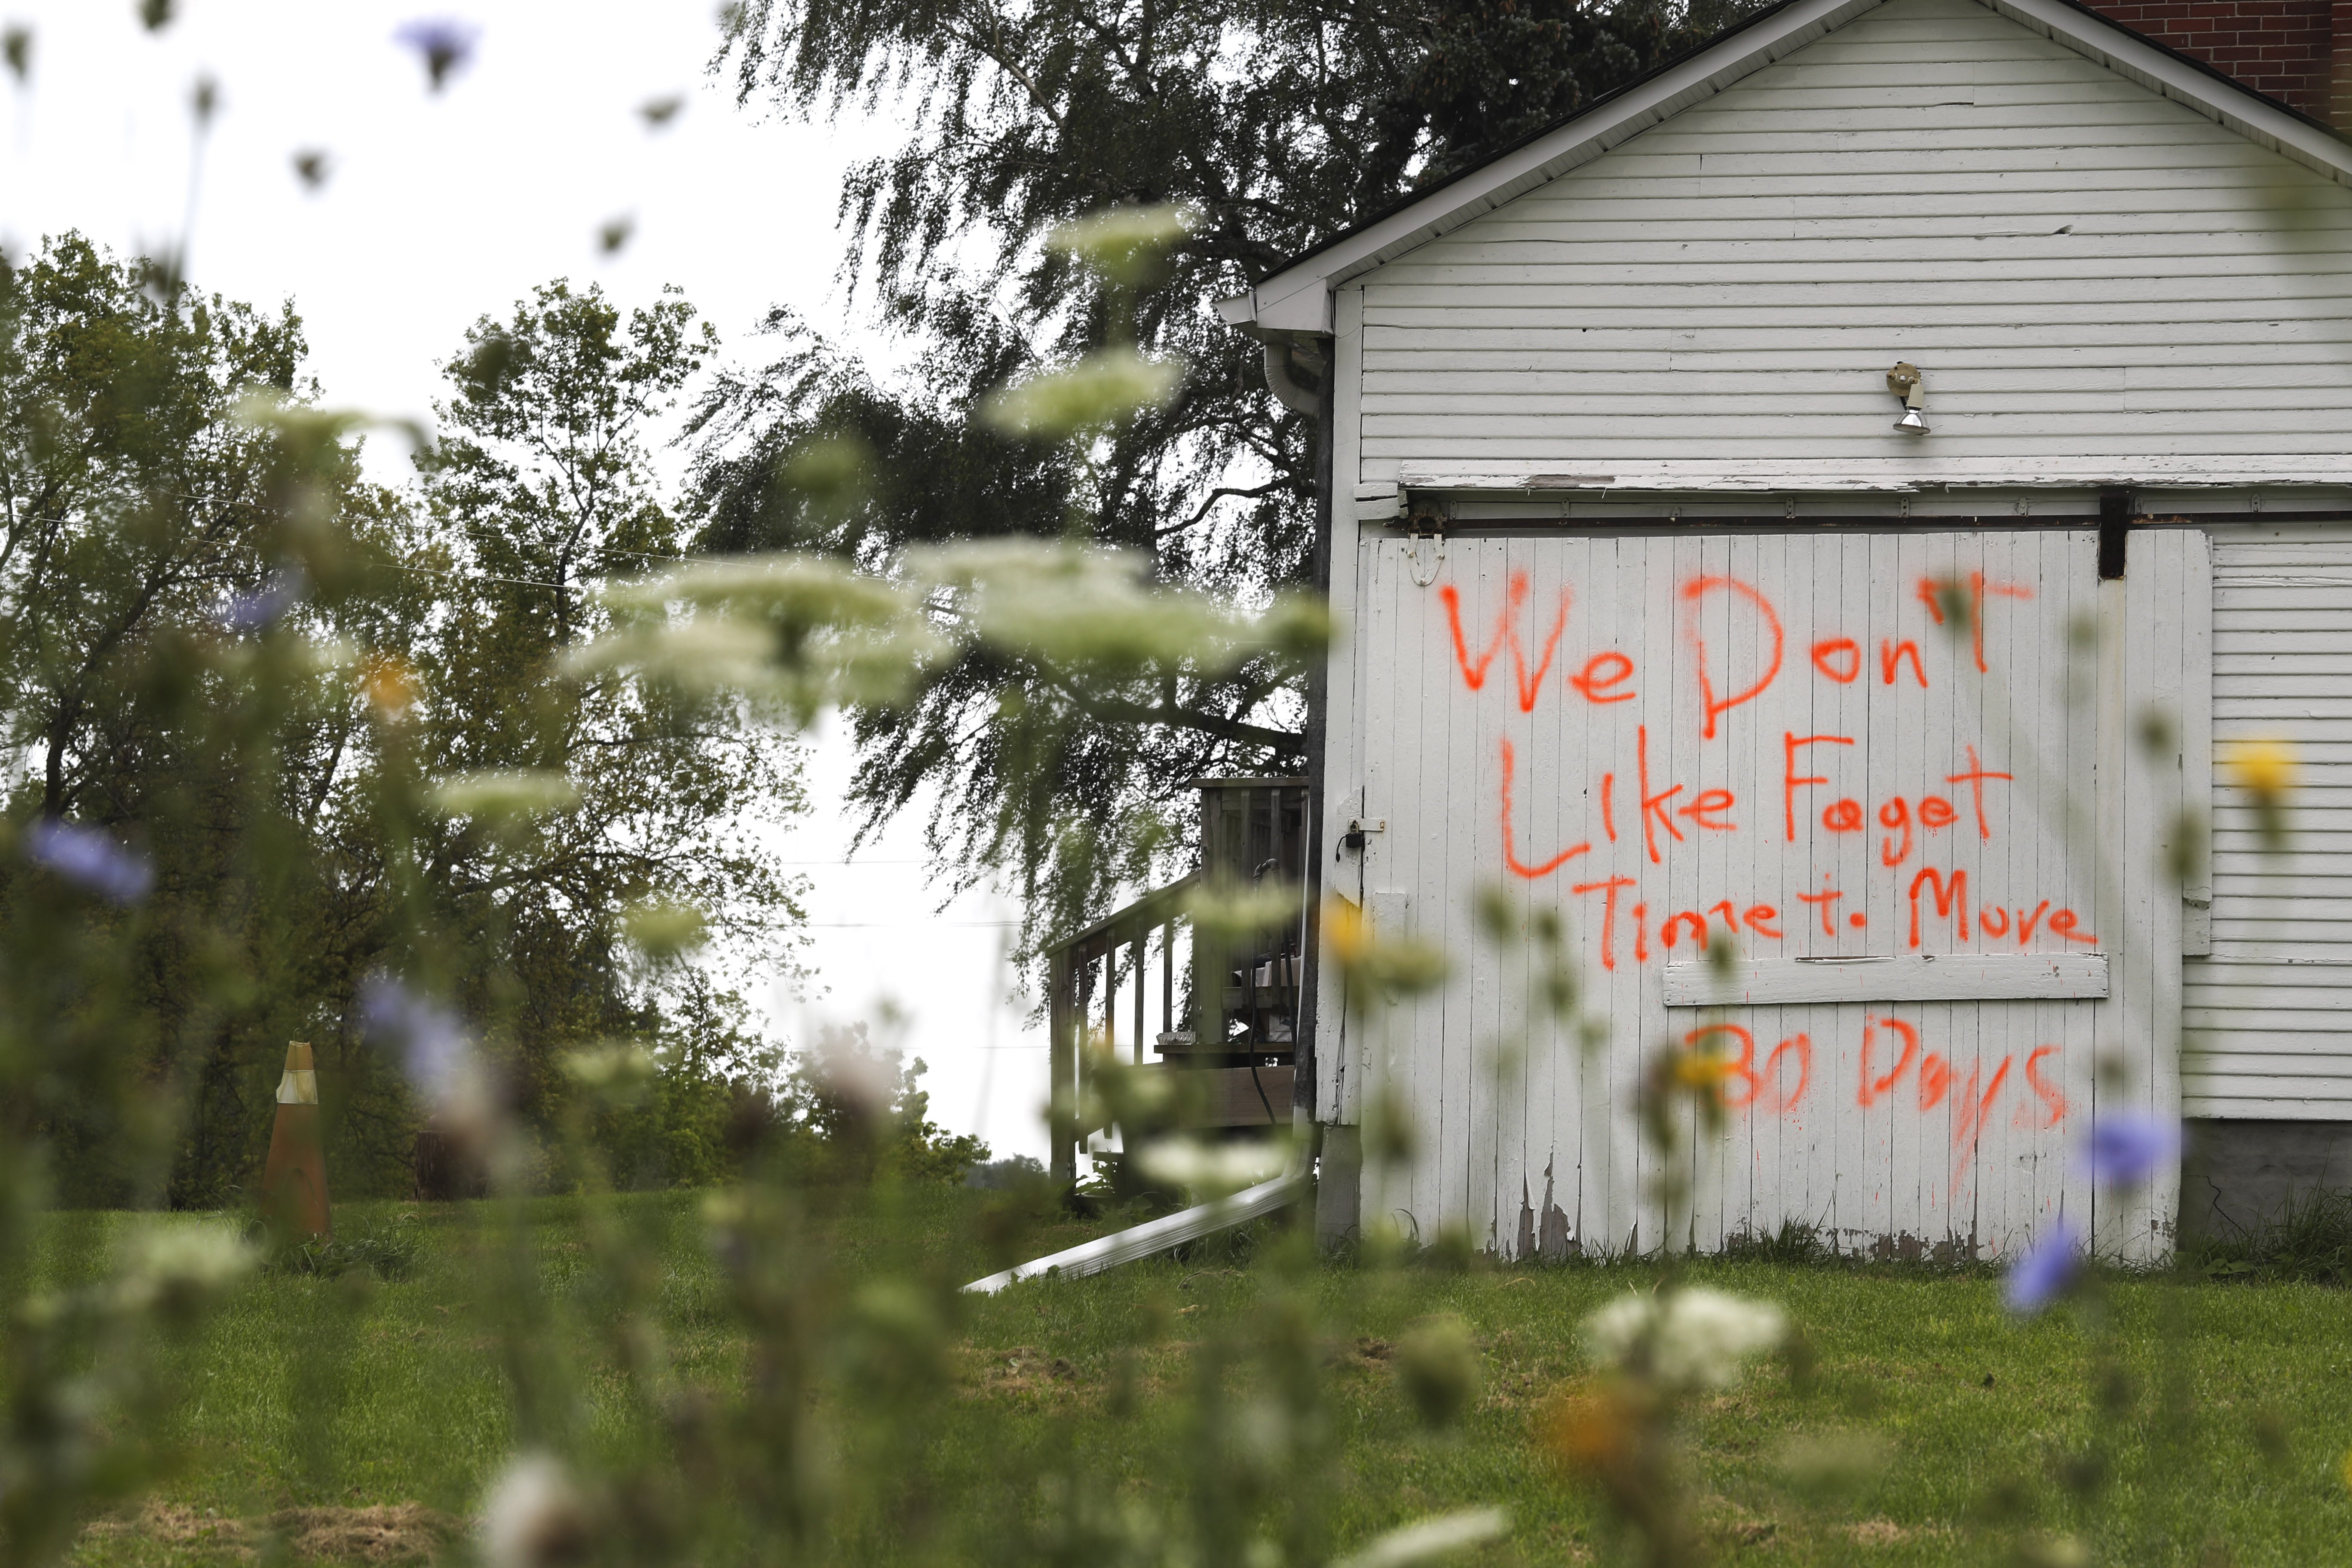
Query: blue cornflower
{"type": "Point", "coordinates": [2128, 1148]}
{"type": "Point", "coordinates": [2045, 1271]}
{"type": "Point", "coordinates": [250, 611]}
{"type": "Point", "coordinates": [445, 42]}
{"type": "Point", "coordinates": [431, 1041]}
{"type": "Point", "coordinates": [90, 859]}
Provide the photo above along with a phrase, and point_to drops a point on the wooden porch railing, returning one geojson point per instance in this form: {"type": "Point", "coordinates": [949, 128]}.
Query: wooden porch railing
{"type": "Point", "coordinates": [1235, 1018]}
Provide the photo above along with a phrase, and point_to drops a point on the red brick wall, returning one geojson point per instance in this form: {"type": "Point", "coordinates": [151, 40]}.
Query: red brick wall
{"type": "Point", "coordinates": [2288, 49]}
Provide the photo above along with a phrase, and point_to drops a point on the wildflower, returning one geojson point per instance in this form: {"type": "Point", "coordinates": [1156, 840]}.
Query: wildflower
{"type": "Point", "coordinates": [445, 43]}
{"type": "Point", "coordinates": [1210, 1170]}
{"type": "Point", "coordinates": [2128, 1149]}
{"type": "Point", "coordinates": [1123, 244]}
{"type": "Point", "coordinates": [1829, 1464]}
{"type": "Point", "coordinates": [1104, 389]}
{"type": "Point", "coordinates": [435, 1053]}
{"type": "Point", "coordinates": [256, 608]}
{"type": "Point", "coordinates": [2263, 769]}
{"type": "Point", "coordinates": [618, 1071]}
{"type": "Point", "coordinates": [1389, 965]}
{"type": "Point", "coordinates": [1345, 932]}
{"type": "Point", "coordinates": [501, 793]}
{"type": "Point", "coordinates": [1701, 1071]}
{"type": "Point", "coordinates": [176, 1267]}
{"type": "Point", "coordinates": [2044, 1270]}
{"type": "Point", "coordinates": [535, 1517]}
{"type": "Point", "coordinates": [1438, 1366]}
{"type": "Point", "coordinates": [1430, 1537]}
{"type": "Point", "coordinates": [2044, 1549]}
{"type": "Point", "coordinates": [90, 859]}
{"type": "Point", "coordinates": [2344, 1468]}
{"type": "Point", "coordinates": [1695, 1339]}
{"type": "Point", "coordinates": [660, 928]}
{"type": "Point", "coordinates": [388, 684]}
{"type": "Point", "coordinates": [1591, 1431]}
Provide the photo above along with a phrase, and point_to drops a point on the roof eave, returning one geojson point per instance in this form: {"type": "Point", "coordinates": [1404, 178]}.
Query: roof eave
{"type": "Point", "coordinates": [1298, 297]}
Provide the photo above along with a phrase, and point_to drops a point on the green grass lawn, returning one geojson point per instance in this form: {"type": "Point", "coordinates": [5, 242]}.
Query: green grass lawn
{"type": "Point", "coordinates": [1980, 1413]}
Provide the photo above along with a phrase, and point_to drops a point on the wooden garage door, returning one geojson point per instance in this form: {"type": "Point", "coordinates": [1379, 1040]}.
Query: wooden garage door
{"type": "Point", "coordinates": [1936, 855]}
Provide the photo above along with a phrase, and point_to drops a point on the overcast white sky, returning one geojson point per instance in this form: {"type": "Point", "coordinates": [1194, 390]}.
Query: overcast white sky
{"type": "Point", "coordinates": [440, 208]}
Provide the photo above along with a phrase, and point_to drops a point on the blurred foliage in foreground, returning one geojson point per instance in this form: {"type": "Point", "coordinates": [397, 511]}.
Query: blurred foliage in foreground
{"type": "Point", "coordinates": [433, 778]}
{"type": "Point", "coordinates": [1883, 1451]}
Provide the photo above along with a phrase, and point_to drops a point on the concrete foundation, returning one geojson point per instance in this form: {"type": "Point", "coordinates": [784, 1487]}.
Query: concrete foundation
{"type": "Point", "coordinates": [2236, 1176]}
{"type": "Point", "coordinates": [1339, 1186]}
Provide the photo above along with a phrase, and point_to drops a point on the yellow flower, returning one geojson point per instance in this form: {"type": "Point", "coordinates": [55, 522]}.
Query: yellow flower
{"type": "Point", "coordinates": [1346, 933]}
{"type": "Point", "coordinates": [1593, 1428]}
{"type": "Point", "coordinates": [1701, 1070]}
{"type": "Point", "coordinates": [389, 684]}
{"type": "Point", "coordinates": [2345, 1470]}
{"type": "Point", "coordinates": [1381, 965]}
{"type": "Point", "coordinates": [2263, 769]}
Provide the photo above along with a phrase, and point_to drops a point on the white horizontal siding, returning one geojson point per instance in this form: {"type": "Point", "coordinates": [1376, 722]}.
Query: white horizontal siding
{"type": "Point", "coordinates": [2083, 268]}
{"type": "Point", "coordinates": [2269, 1014]}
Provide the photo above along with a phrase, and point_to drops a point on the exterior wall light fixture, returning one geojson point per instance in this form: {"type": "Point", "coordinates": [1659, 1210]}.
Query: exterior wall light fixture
{"type": "Point", "coordinates": [1904, 381]}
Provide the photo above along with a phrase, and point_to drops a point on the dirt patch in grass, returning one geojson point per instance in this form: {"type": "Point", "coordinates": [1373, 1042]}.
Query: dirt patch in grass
{"type": "Point", "coordinates": [1019, 1370]}
{"type": "Point", "coordinates": [173, 1524]}
{"type": "Point", "coordinates": [1887, 1532]}
{"type": "Point", "coordinates": [382, 1532]}
{"type": "Point", "coordinates": [387, 1532]}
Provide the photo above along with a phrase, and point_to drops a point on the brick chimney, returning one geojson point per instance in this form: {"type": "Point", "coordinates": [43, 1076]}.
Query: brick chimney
{"type": "Point", "coordinates": [2297, 51]}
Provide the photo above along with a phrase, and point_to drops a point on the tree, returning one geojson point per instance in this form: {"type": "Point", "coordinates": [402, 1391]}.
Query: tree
{"type": "Point", "coordinates": [231, 665]}
{"type": "Point", "coordinates": [1272, 125]}
{"type": "Point", "coordinates": [146, 545]}
{"type": "Point", "coordinates": [576, 799]}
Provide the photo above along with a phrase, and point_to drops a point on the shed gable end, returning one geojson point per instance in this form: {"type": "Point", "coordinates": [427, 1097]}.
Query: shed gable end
{"type": "Point", "coordinates": [2083, 268]}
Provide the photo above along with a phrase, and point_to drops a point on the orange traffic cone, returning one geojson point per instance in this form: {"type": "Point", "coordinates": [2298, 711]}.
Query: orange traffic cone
{"type": "Point", "coordinates": [294, 1181]}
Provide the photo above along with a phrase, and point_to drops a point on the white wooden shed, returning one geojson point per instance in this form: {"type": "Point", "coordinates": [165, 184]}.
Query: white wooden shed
{"type": "Point", "coordinates": [1646, 605]}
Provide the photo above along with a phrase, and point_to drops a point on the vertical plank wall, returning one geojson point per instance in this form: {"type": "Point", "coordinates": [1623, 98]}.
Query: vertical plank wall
{"type": "Point", "coordinates": [2271, 1007]}
{"type": "Point", "coordinates": [1584, 661]}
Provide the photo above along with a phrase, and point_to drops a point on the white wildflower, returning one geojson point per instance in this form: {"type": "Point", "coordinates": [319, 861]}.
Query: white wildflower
{"type": "Point", "coordinates": [1121, 243]}
{"type": "Point", "coordinates": [1432, 1537]}
{"type": "Point", "coordinates": [536, 1517]}
{"type": "Point", "coordinates": [1209, 1170]}
{"type": "Point", "coordinates": [1104, 388]}
{"type": "Point", "coordinates": [178, 1266]}
{"type": "Point", "coordinates": [621, 1067]}
{"type": "Point", "coordinates": [1697, 1338]}
{"type": "Point", "coordinates": [664, 927]}
{"type": "Point", "coordinates": [504, 792]}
